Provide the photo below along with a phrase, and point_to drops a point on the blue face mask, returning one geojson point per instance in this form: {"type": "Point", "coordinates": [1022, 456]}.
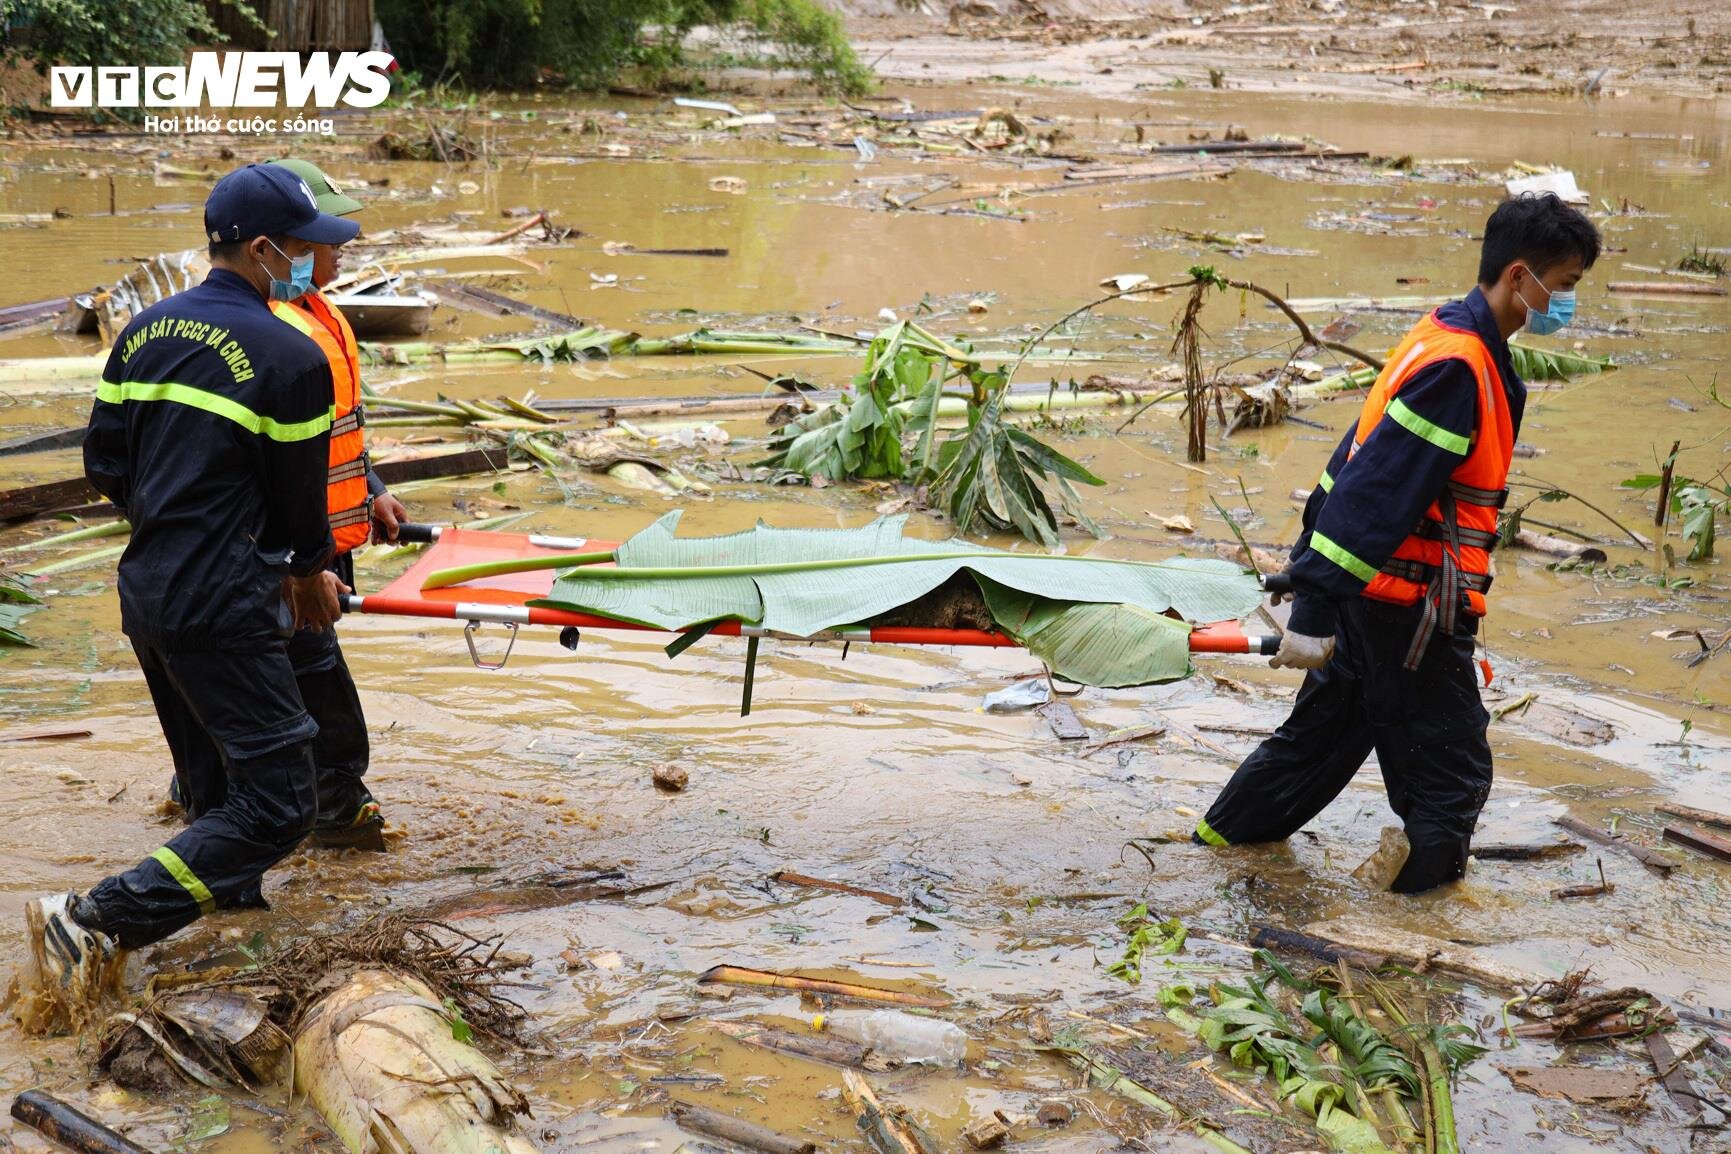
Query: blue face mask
{"type": "Point", "coordinates": [300, 281]}
{"type": "Point", "coordinates": [1558, 313]}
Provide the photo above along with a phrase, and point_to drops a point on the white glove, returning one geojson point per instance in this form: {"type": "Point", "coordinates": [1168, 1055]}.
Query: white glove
{"type": "Point", "coordinates": [1300, 652]}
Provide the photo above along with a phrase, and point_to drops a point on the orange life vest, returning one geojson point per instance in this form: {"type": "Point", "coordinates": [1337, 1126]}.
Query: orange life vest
{"type": "Point", "coordinates": [346, 498]}
{"type": "Point", "coordinates": [1447, 556]}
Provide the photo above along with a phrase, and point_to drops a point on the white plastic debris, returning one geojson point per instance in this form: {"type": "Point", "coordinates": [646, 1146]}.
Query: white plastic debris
{"type": "Point", "coordinates": [1561, 183]}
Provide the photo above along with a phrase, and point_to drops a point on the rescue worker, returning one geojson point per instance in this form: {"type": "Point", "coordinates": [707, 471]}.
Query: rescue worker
{"type": "Point", "coordinates": [359, 506]}
{"type": "Point", "coordinates": [1390, 573]}
{"type": "Point", "coordinates": [211, 430]}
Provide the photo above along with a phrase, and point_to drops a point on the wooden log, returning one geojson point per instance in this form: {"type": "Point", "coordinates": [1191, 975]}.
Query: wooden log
{"type": "Point", "coordinates": [826, 1048]}
{"type": "Point", "coordinates": [58, 1122]}
{"type": "Point", "coordinates": [737, 1130]}
{"type": "Point", "coordinates": [789, 877]}
{"type": "Point", "coordinates": [886, 1125]}
{"type": "Point", "coordinates": [1651, 858]}
{"type": "Point", "coordinates": [1263, 936]}
{"type": "Point", "coordinates": [1498, 851]}
{"type": "Point", "coordinates": [1700, 841]}
{"type": "Point", "coordinates": [1557, 547]}
{"type": "Point", "coordinates": [1690, 813]}
{"type": "Point", "coordinates": [1668, 288]}
{"type": "Point", "coordinates": [745, 976]}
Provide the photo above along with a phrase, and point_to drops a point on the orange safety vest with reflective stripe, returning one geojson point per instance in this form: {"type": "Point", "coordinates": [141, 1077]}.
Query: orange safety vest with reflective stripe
{"type": "Point", "coordinates": [1447, 556]}
{"type": "Point", "coordinates": [346, 497]}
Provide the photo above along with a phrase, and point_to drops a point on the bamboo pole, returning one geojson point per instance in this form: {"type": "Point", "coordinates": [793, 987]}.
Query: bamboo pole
{"type": "Point", "coordinates": [742, 976]}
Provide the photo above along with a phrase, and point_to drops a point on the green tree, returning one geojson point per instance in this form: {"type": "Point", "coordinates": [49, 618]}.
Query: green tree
{"type": "Point", "coordinates": [96, 32]}
{"type": "Point", "coordinates": [586, 43]}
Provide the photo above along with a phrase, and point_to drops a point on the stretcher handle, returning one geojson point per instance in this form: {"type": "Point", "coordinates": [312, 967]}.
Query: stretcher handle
{"type": "Point", "coordinates": [1273, 583]}
{"type": "Point", "coordinates": [417, 533]}
{"type": "Point", "coordinates": [348, 602]}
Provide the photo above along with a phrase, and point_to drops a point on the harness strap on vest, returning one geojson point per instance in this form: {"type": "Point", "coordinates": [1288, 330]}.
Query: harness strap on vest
{"type": "Point", "coordinates": [354, 419]}
{"type": "Point", "coordinates": [348, 470]}
{"type": "Point", "coordinates": [1486, 498]}
{"type": "Point", "coordinates": [1442, 597]}
{"type": "Point", "coordinates": [1472, 538]}
{"type": "Point", "coordinates": [354, 516]}
{"type": "Point", "coordinates": [1420, 572]}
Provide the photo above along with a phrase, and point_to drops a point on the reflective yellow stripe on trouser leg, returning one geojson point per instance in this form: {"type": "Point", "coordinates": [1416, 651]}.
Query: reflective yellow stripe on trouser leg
{"type": "Point", "coordinates": [177, 869]}
{"type": "Point", "coordinates": [1207, 834]}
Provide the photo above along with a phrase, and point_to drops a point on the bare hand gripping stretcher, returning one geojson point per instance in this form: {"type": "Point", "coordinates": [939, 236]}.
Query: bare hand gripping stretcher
{"type": "Point", "coordinates": [503, 600]}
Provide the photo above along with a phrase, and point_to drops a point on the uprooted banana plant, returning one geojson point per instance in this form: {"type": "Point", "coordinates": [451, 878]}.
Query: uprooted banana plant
{"type": "Point", "coordinates": [16, 601]}
{"type": "Point", "coordinates": [989, 473]}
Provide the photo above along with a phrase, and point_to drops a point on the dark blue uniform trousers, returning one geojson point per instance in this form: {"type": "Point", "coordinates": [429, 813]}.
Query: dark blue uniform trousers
{"type": "Point", "coordinates": [1427, 727]}
{"type": "Point", "coordinates": [242, 743]}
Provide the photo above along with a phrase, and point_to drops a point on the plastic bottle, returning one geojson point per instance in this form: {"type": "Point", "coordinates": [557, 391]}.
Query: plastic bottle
{"type": "Point", "coordinates": [897, 1036]}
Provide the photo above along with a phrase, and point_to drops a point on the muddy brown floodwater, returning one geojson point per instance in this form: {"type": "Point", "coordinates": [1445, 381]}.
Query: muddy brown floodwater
{"type": "Point", "coordinates": [882, 769]}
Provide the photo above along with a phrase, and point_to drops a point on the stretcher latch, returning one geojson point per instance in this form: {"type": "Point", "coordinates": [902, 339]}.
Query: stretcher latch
{"type": "Point", "coordinates": [469, 632]}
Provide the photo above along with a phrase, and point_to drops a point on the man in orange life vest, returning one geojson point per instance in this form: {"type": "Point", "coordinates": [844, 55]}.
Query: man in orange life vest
{"type": "Point", "coordinates": [1390, 573]}
{"type": "Point", "coordinates": [358, 506]}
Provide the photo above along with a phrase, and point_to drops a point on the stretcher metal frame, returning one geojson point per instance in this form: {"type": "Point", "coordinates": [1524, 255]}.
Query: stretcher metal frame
{"type": "Point", "coordinates": [501, 600]}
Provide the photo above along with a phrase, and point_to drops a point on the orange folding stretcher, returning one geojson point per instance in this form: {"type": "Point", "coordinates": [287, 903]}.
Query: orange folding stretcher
{"type": "Point", "coordinates": [503, 600]}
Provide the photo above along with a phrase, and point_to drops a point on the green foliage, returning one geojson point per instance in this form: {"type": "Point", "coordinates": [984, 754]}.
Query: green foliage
{"type": "Point", "coordinates": [1696, 503]}
{"type": "Point", "coordinates": [16, 602]}
{"type": "Point", "coordinates": [804, 581]}
{"type": "Point", "coordinates": [1148, 938]}
{"type": "Point", "coordinates": [100, 32]}
{"type": "Point", "coordinates": [460, 1029]}
{"type": "Point", "coordinates": [1536, 364]}
{"type": "Point", "coordinates": [1371, 1058]}
{"type": "Point", "coordinates": [990, 472]}
{"type": "Point", "coordinates": [1208, 274]}
{"type": "Point", "coordinates": [1701, 260]}
{"type": "Point", "coordinates": [1699, 505]}
{"type": "Point", "coordinates": [1256, 1034]}
{"type": "Point", "coordinates": [586, 43]}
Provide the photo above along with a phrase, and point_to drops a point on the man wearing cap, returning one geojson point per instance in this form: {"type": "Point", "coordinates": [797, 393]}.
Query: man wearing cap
{"type": "Point", "coordinates": [211, 429]}
{"type": "Point", "coordinates": [358, 505]}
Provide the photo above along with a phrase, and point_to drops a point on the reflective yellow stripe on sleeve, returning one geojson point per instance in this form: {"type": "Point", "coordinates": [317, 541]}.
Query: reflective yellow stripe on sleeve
{"type": "Point", "coordinates": [219, 405]}
{"type": "Point", "coordinates": [1325, 482]}
{"type": "Point", "coordinates": [1442, 438]}
{"type": "Point", "coordinates": [177, 869]}
{"type": "Point", "coordinates": [1341, 557]}
{"type": "Point", "coordinates": [1207, 834]}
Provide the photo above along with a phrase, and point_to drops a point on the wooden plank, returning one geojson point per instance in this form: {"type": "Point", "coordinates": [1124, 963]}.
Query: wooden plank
{"type": "Point", "coordinates": [1066, 726]}
{"type": "Point", "coordinates": [57, 496]}
{"type": "Point", "coordinates": [34, 500]}
{"type": "Point", "coordinates": [1648, 857]}
{"type": "Point", "coordinates": [1672, 1075]}
{"type": "Point", "coordinates": [43, 442]}
{"type": "Point", "coordinates": [1700, 841]}
{"type": "Point", "coordinates": [1669, 809]}
{"type": "Point", "coordinates": [442, 465]}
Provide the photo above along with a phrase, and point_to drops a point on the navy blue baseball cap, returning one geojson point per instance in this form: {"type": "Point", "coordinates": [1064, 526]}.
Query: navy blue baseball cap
{"type": "Point", "coordinates": [265, 200]}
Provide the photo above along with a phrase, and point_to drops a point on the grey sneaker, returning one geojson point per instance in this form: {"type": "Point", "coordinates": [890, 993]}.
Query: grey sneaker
{"type": "Point", "coordinates": [71, 959]}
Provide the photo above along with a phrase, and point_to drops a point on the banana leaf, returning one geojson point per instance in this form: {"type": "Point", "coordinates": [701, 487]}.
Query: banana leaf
{"type": "Point", "coordinates": [16, 602]}
{"type": "Point", "coordinates": [1094, 643]}
{"type": "Point", "coordinates": [1536, 364]}
{"type": "Point", "coordinates": [1107, 628]}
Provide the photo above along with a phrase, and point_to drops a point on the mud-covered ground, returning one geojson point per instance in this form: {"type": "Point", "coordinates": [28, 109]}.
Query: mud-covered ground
{"type": "Point", "coordinates": [1378, 49]}
{"type": "Point", "coordinates": [882, 769]}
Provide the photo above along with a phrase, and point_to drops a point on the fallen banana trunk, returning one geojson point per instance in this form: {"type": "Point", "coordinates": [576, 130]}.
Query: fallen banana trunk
{"type": "Point", "coordinates": [381, 1060]}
